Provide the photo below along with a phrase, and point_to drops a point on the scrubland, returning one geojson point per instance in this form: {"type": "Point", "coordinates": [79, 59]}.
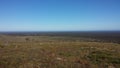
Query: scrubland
{"type": "Point", "coordinates": [57, 52]}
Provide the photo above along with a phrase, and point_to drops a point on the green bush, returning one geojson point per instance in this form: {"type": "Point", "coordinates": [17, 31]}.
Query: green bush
{"type": "Point", "coordinates": [101, 56]}
{"type": "Point", "coordinates": [2, 46]}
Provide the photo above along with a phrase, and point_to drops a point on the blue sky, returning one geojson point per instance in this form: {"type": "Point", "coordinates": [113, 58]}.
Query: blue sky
{"type": "Point", "coordinates": [59, 15]}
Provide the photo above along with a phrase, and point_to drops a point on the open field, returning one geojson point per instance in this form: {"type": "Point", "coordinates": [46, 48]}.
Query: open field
{"type": "Point", "coordinates": [51, 50]}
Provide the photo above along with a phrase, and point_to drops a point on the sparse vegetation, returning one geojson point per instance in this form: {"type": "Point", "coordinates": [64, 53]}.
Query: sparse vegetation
{"type": "Point", "coordinates": [57, 52]}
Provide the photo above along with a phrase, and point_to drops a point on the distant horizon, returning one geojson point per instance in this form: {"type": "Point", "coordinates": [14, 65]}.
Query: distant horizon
{"type": "Point", "coordinates": [69, 31]}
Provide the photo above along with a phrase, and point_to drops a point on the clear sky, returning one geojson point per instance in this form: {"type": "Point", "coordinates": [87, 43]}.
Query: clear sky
{"type": "Point", "coordinates": [59, 15]}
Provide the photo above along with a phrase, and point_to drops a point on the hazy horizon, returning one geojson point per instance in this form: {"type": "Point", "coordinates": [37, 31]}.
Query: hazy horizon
{"type": "Point", "coordinates": [59, 15]}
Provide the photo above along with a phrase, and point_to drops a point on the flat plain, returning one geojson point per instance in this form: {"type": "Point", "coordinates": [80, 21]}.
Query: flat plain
{"type": "Point", "coordinates": [55, 50]}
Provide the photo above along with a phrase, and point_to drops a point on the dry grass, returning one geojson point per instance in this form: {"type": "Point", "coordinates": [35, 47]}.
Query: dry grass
{"type": "Point", "coordinates": [56, 52]}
